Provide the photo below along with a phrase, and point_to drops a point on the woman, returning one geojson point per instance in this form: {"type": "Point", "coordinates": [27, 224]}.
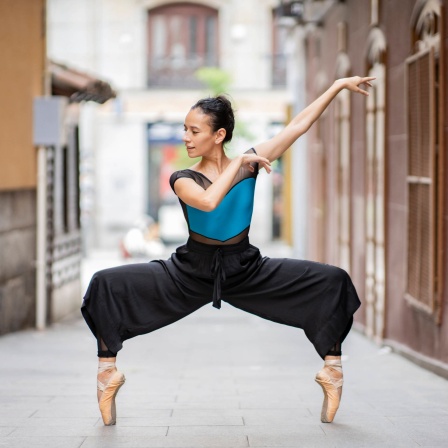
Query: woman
{"type": "Point", "coordinates": [216, 195]}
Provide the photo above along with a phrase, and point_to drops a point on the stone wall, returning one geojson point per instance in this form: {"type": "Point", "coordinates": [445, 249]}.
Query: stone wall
{"type": "Point", "coordinates": [17, 259]}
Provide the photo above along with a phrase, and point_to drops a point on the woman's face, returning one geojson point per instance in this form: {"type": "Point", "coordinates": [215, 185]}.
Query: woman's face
{"type": "Point", "coordinates": [198, 136]}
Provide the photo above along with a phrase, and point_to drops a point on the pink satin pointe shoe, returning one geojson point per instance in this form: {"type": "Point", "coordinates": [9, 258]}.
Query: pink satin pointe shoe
{"type": "Point", "coordinates": [109, 391]}
{"type": "Point", "coordinates": [332, 388]}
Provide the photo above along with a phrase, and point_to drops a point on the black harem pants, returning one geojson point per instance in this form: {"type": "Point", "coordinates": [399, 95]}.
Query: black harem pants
{"type": "Point", "coordinates": [126, 301]}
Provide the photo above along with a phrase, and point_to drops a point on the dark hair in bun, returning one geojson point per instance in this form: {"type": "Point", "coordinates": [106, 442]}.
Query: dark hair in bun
{"type": "Point", "coordinates": [220, 112]}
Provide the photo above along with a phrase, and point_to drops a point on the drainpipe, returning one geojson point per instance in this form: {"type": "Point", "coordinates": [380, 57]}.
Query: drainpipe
{"type": "Point", "coordinates": [41, 291]}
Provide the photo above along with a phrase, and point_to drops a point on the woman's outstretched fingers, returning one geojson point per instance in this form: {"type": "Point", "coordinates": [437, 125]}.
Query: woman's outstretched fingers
{"type": "Point", "coordinates": [354, 82]}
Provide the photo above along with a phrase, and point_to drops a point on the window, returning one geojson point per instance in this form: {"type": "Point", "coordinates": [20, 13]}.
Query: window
{"type": "Point", "coordinates": [424, 179]}
{"type": "Point", "coordinates": [182, 37]}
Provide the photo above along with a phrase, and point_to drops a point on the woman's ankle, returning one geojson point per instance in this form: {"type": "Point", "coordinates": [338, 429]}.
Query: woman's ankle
{"type": "Point", "coordinates": [114, 359]}
{"type": "Point", "coordinates": [333, 366]}
{"type": "Point", "coordinates": [332, 358]}
{"type": "Point", "coordinates": [106, 367]}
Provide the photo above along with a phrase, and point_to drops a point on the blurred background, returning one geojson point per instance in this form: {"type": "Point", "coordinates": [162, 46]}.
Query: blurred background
{"type": "Point", "coordinates": [94, 94]}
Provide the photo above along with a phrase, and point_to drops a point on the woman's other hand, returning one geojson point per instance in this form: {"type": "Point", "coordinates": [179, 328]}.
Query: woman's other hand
{"type": "Point", "coordinates": [354, 82]}
{"type": "Point", "coordinates": [263, 162]}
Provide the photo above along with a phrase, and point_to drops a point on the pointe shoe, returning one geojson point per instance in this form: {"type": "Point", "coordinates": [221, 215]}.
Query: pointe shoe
{"type": "Point", "coordinates": [332, 389]}
{"type": "Point", "coordinates": [109, 391]}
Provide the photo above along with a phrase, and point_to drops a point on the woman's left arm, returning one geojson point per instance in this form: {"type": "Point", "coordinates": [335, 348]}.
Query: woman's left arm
{"type": "Point", "coordinates": [276, 146]}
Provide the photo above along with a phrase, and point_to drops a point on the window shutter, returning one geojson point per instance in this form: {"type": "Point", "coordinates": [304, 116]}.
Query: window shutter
{"type": "Point", "coordinates": [421, 180]}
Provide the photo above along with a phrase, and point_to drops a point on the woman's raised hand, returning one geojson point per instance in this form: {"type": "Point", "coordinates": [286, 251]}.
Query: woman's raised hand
{"type": "Point", "coordinates": [247, 159]}
{"type": "Point", "coordinates": [354, 82]}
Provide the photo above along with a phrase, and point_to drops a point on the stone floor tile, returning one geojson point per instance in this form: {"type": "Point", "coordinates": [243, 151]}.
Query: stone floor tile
{"type": "Point", "coordinates": [88, 431]}
{"type": "Point", "coordinates": [166, 442]}
{"type": "Point", "coordinates": [17, 413]}
{"type": "Point", "coordinates": [180, 421]}
{"type": "Point", "coordinates": [255, 417]}
{"type": "Point", "coordinates": [49, 422]}
{"type": "Point", "coordinates": [299, 440]}
{"type": "Point", "coordinates": [46, 442]}
{"type": "Point", "coordinates": [6, 430]}
{"type": "Point", "coordinates": [257, 430]}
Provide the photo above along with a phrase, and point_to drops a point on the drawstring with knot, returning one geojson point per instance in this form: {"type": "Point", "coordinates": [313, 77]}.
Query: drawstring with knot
{"type": "Point", "coordinates": [217, 272]}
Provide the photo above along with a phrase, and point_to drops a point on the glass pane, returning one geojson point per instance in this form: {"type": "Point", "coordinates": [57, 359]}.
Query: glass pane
{"type": "Point", "coordinates": [193, 37]}
{"type": "Point", "coordinates": [419, 248]}
{"type": "Point", "coordinates": [210, 42]}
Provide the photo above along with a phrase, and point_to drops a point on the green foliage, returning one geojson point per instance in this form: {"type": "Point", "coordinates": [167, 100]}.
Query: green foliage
{"type": "Point", "coordinates": [217, 81]}
{"type": "Point", "coordinates": [242, 131]}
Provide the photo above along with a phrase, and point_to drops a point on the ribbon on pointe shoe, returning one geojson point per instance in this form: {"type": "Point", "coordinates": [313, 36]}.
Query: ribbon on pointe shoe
{"type": "Point", "coordinates": [332, 389]}
{"type": "Point", "coordinates": [103, 367]}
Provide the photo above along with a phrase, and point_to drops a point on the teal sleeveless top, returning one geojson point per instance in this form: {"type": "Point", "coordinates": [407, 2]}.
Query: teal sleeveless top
{"type": "Point", "coordinates": [228, 223]}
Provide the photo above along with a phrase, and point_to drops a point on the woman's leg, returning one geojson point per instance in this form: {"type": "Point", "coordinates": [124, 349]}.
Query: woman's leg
{"type": "Point", "coordinates": [318, 298]}
{"type": "Point", "coordinates": [330, 378]}
{"type": "Point", "coordinates": [122, 303]}
{"type": "Point", "coordinates": [106, 365]}
{"type": "Point", "coordinates": [109, 381]}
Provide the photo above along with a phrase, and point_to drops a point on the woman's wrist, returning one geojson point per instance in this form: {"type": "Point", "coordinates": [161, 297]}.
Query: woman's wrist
{"type": "Point", "coordinates": [340, 84]}
{"type": "Point", "coordinates": [240, 160]}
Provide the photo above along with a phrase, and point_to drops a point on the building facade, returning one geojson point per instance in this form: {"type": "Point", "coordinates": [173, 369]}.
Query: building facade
{"type": "Point", "coordinates": [22, 77]}
{"type": "Point", "coordinates": [378, 166]}
{"type": "Point", "coordinates": [40, 238]}
{"type": "Point", "coordinates": [151, 50]}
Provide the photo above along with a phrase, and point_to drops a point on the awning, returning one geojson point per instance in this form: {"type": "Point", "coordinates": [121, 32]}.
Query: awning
{"type": "Point", "coordinates": [78, 86]}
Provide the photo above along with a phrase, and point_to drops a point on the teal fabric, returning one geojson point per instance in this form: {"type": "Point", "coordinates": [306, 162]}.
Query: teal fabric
{"type": "Point", "coordinates": [230, 218]}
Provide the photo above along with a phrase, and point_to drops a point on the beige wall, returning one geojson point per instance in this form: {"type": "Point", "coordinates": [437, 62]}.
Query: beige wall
{"type": "Point", "coordinates": [22, 50]}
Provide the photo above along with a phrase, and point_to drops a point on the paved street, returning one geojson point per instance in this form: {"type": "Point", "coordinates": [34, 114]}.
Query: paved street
{"type": "Point", "coordinates": [215, 379]}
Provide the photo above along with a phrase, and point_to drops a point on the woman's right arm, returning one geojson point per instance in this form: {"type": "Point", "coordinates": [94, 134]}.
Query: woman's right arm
{"type": "Point", "coordinates": [207, 200]}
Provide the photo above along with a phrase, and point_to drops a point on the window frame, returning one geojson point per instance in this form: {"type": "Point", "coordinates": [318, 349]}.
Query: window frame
{"type": "Point", "coordinates": [429, 44]}
{"type": "Point", "coordinates": [169, 64]}
{"type": "Point", "coordinates": [420, 180]}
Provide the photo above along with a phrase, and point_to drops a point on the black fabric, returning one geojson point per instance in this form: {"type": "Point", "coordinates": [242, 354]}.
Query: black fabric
{"type": "Point", "coordinates": [130, 300]}
{"type": "Point", "coordinates": [103, 351]}
{"type": "Point", "coordinates": [336, 350]}
{"type": "Point", "coordinates": [106, 354]}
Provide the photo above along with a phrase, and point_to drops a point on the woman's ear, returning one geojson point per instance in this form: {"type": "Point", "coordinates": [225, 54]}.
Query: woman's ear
{"type": "Point", "coordinates": [220, 135]}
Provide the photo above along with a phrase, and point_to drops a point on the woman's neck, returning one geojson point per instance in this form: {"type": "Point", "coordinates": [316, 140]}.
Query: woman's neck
{"type": "Point", "coordinates": [213, 164]}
